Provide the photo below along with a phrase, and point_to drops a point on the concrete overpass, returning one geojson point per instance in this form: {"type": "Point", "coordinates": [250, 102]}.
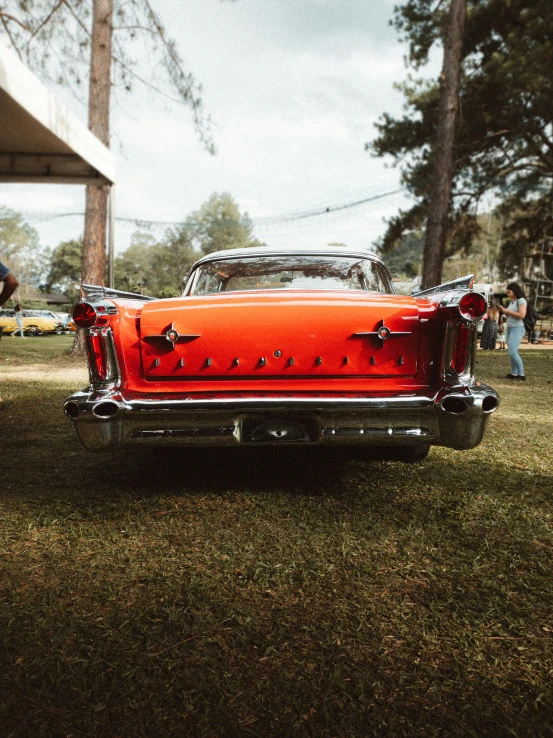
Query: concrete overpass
{"type": "Point", "coordinates": [41, 141]}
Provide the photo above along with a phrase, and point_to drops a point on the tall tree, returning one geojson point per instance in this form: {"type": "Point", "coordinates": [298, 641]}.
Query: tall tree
{"type": "Point", "coordinates": [219, 225]}
{"type": "Point", "coordinates": [94, 242]}
{"type": "Point", "coordinates": [504, 135]}
{"type": "Point", "coordinates": [440, 190]}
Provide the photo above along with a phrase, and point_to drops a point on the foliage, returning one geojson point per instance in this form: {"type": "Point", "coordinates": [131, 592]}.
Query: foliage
{"type": "Point", "coordinates": [485, 258]}
{"type": "Point", "coordinates": [65, 267]}
{"type": "Point", "coordinates": [160, 268]}
{"type": "Point", "coordinates": [505, 136]}
{"type": "Point", "coordinates": [263, 594]}
{"type": "Point", "coordinates": [20, 249]}
{"type": "Point", "coordinates": [152, 267]}
{"type": "Point", "coordinates": [16, 236]}
{"type": "Point", "coordinates": [528, 223]}
{"type": "Point", "coordinates": [178, 256]}
{"type": "Point", "coordinates": [219, 225]}
{"type": "Point", "coordinates": [404, 261]}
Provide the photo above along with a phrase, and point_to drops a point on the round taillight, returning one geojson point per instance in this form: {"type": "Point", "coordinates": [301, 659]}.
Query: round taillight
{"type": "Point", "coordinates": [472, 306]}
{"type": "Point", "coordinates": [84, 315]}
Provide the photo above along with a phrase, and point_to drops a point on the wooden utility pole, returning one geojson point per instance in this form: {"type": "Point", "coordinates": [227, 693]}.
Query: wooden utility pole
{"type": "Point", "coordinates": [440, 194]}
{"type": "Point", "coordinates": [99, 94]}
{"type": "Point", "coordinates": [95, 228]}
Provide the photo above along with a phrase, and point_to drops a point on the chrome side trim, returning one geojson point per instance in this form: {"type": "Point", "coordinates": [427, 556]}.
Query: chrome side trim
{"type": "Point", "coordinates": [461, 283]}
{"type": "Point", "coordinates": [185, 432]}
{"type": "Point", "coordinates": [99, 292]}
{"type": "Point", "coordinates": [379, 432]}
{"type": "Point", "coordinates": [247, 404]}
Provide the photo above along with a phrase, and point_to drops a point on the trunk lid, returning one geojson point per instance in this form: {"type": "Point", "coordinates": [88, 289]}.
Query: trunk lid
{"type": "Point", "coordinates": [276, 335]}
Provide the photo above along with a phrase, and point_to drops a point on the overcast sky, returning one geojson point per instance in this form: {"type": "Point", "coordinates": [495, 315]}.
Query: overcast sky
{"type": "Point", "coordinates": [294, 88]}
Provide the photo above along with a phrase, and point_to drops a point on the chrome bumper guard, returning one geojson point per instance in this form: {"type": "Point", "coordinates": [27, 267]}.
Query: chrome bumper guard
{"type": "Point", "coordinates": [448, 416]}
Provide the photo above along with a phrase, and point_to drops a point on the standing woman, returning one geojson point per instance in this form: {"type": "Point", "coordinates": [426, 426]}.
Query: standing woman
{"type": "Point", "coordinates": [489, 331]}
{"type": "Point", "coordinates": [515, 312]}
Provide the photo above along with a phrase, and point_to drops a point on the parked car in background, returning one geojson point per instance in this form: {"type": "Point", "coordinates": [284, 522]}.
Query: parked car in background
{"type": "Point", "coordinates": [284, 347]}
{"type": "Point", "coordinates": [35, 322]}
{"type": "Point", "coordinates": [66, 323]}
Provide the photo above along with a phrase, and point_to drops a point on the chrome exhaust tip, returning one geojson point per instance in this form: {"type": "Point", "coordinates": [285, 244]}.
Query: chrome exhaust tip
{"type": "Point", "coordinates": [105, 409]}
{"type": "Point", "coordinates": [454, 405]}
{"type": "Point", "coordinates": [489, 404]}
{"type": "Point", "coordinates": [71, 409]}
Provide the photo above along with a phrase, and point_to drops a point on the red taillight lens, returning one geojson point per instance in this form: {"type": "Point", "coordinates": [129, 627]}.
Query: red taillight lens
{"type": "Point", "coordinates": [84, 315]}
{"type": "Point", "coordinates": [460, 349]}
{"type": "Point", "coordinates": [99, 357]}
{"type": "Point", "coordinates": [472, 306]}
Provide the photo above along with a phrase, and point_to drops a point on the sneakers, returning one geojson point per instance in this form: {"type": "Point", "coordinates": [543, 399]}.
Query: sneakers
{"type": "Point", "coordinates": [517, 377]}
{"type": "Point", "coordinates": [511, 376]}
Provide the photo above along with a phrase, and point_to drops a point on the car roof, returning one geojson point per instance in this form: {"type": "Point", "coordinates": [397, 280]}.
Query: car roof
{"type": "Point", "coordinates": [290, 251]}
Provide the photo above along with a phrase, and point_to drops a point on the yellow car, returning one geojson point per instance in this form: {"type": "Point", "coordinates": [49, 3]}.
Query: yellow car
{"type": "Point", "coordinates": [35, 323]}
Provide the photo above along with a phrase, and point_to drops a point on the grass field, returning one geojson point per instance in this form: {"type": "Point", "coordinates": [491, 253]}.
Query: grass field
{"type": "Point", "coordinates": [260, 594]}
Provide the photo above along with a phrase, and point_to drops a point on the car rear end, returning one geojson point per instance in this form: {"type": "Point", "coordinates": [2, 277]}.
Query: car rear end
{"type": "Point", "coordinates": [296, 367]}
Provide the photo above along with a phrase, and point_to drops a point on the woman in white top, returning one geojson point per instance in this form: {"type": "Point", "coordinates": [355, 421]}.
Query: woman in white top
{"type": "Point", "coordinates": [516, 312]}
{"type": "Point", "coordinates": [18, 315]}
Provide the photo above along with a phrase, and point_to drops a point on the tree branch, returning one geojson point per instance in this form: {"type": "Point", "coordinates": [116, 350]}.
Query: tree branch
{"type": "Point", "coordinates": [188, 89]}
{"type": "Point", "coordinates": [75, 15]}
{"type": "Point", "coordinates": [6, 16]}
{"type": "Point", "coordinates": [7, 29]}
{"type": "Point", "coordinates": [45, 21]}
{"type": "Point", "coordinates": [145, 82]}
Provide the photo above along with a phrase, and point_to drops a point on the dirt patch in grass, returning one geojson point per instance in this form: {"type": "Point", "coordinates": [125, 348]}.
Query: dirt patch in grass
{"type": "Point", "coordinates": [263, 594]}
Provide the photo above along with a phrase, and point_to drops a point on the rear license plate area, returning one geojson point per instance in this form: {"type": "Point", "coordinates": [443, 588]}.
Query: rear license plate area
{"type": "Point", "coordinates": [279, 430]}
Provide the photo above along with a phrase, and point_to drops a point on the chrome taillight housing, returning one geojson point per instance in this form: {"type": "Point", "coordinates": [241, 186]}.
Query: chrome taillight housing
{"type": "Point", "coordinates": [102, 358]}
{"type": "Point", "coordinates": [84, 315]}
{"type": "Point", "coordinates": [472, 306]}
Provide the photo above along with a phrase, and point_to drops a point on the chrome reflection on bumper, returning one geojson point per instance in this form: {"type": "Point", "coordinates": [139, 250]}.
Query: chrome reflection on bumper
{"type": "Point", "coordinates": [449, 416]}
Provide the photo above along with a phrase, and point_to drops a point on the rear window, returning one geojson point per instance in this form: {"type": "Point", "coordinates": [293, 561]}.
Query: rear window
{"type": "Point", "coordinates": [290, 272]}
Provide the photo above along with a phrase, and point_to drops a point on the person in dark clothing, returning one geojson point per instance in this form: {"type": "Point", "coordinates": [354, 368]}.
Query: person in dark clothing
{"type": "Point", "coordinates": [489, 331]}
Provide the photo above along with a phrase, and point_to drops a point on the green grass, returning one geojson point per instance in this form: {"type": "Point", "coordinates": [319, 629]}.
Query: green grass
{"type": "Point", "coordinates": [17, 350]}
{"type": "Point", "coordinates": [259, 594]}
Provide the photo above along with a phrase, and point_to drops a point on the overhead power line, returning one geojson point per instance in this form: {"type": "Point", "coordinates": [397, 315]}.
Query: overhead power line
{"type": "Point", "coordinates": [329, 209]}
{"type": "Point", "coordinates": [261, 221]}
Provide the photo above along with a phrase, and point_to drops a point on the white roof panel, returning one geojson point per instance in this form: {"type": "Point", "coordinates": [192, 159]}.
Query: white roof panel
{"type": "Point", "coordinates": [40, 140]}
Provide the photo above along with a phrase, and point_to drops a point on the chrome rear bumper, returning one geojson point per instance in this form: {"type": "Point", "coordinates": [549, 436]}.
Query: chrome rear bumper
{"type": "Point", "coordinates": [450, 416]}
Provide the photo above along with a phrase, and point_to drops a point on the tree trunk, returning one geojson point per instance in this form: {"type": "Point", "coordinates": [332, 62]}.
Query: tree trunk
{"type": "Point", "coordinates": [440, 194]}
{"type": "Point", "coordinates": [95, 224]}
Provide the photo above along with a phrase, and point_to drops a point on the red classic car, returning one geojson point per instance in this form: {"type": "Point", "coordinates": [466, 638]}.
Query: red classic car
{"type": "Point", "coordinates": [287, 346]}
